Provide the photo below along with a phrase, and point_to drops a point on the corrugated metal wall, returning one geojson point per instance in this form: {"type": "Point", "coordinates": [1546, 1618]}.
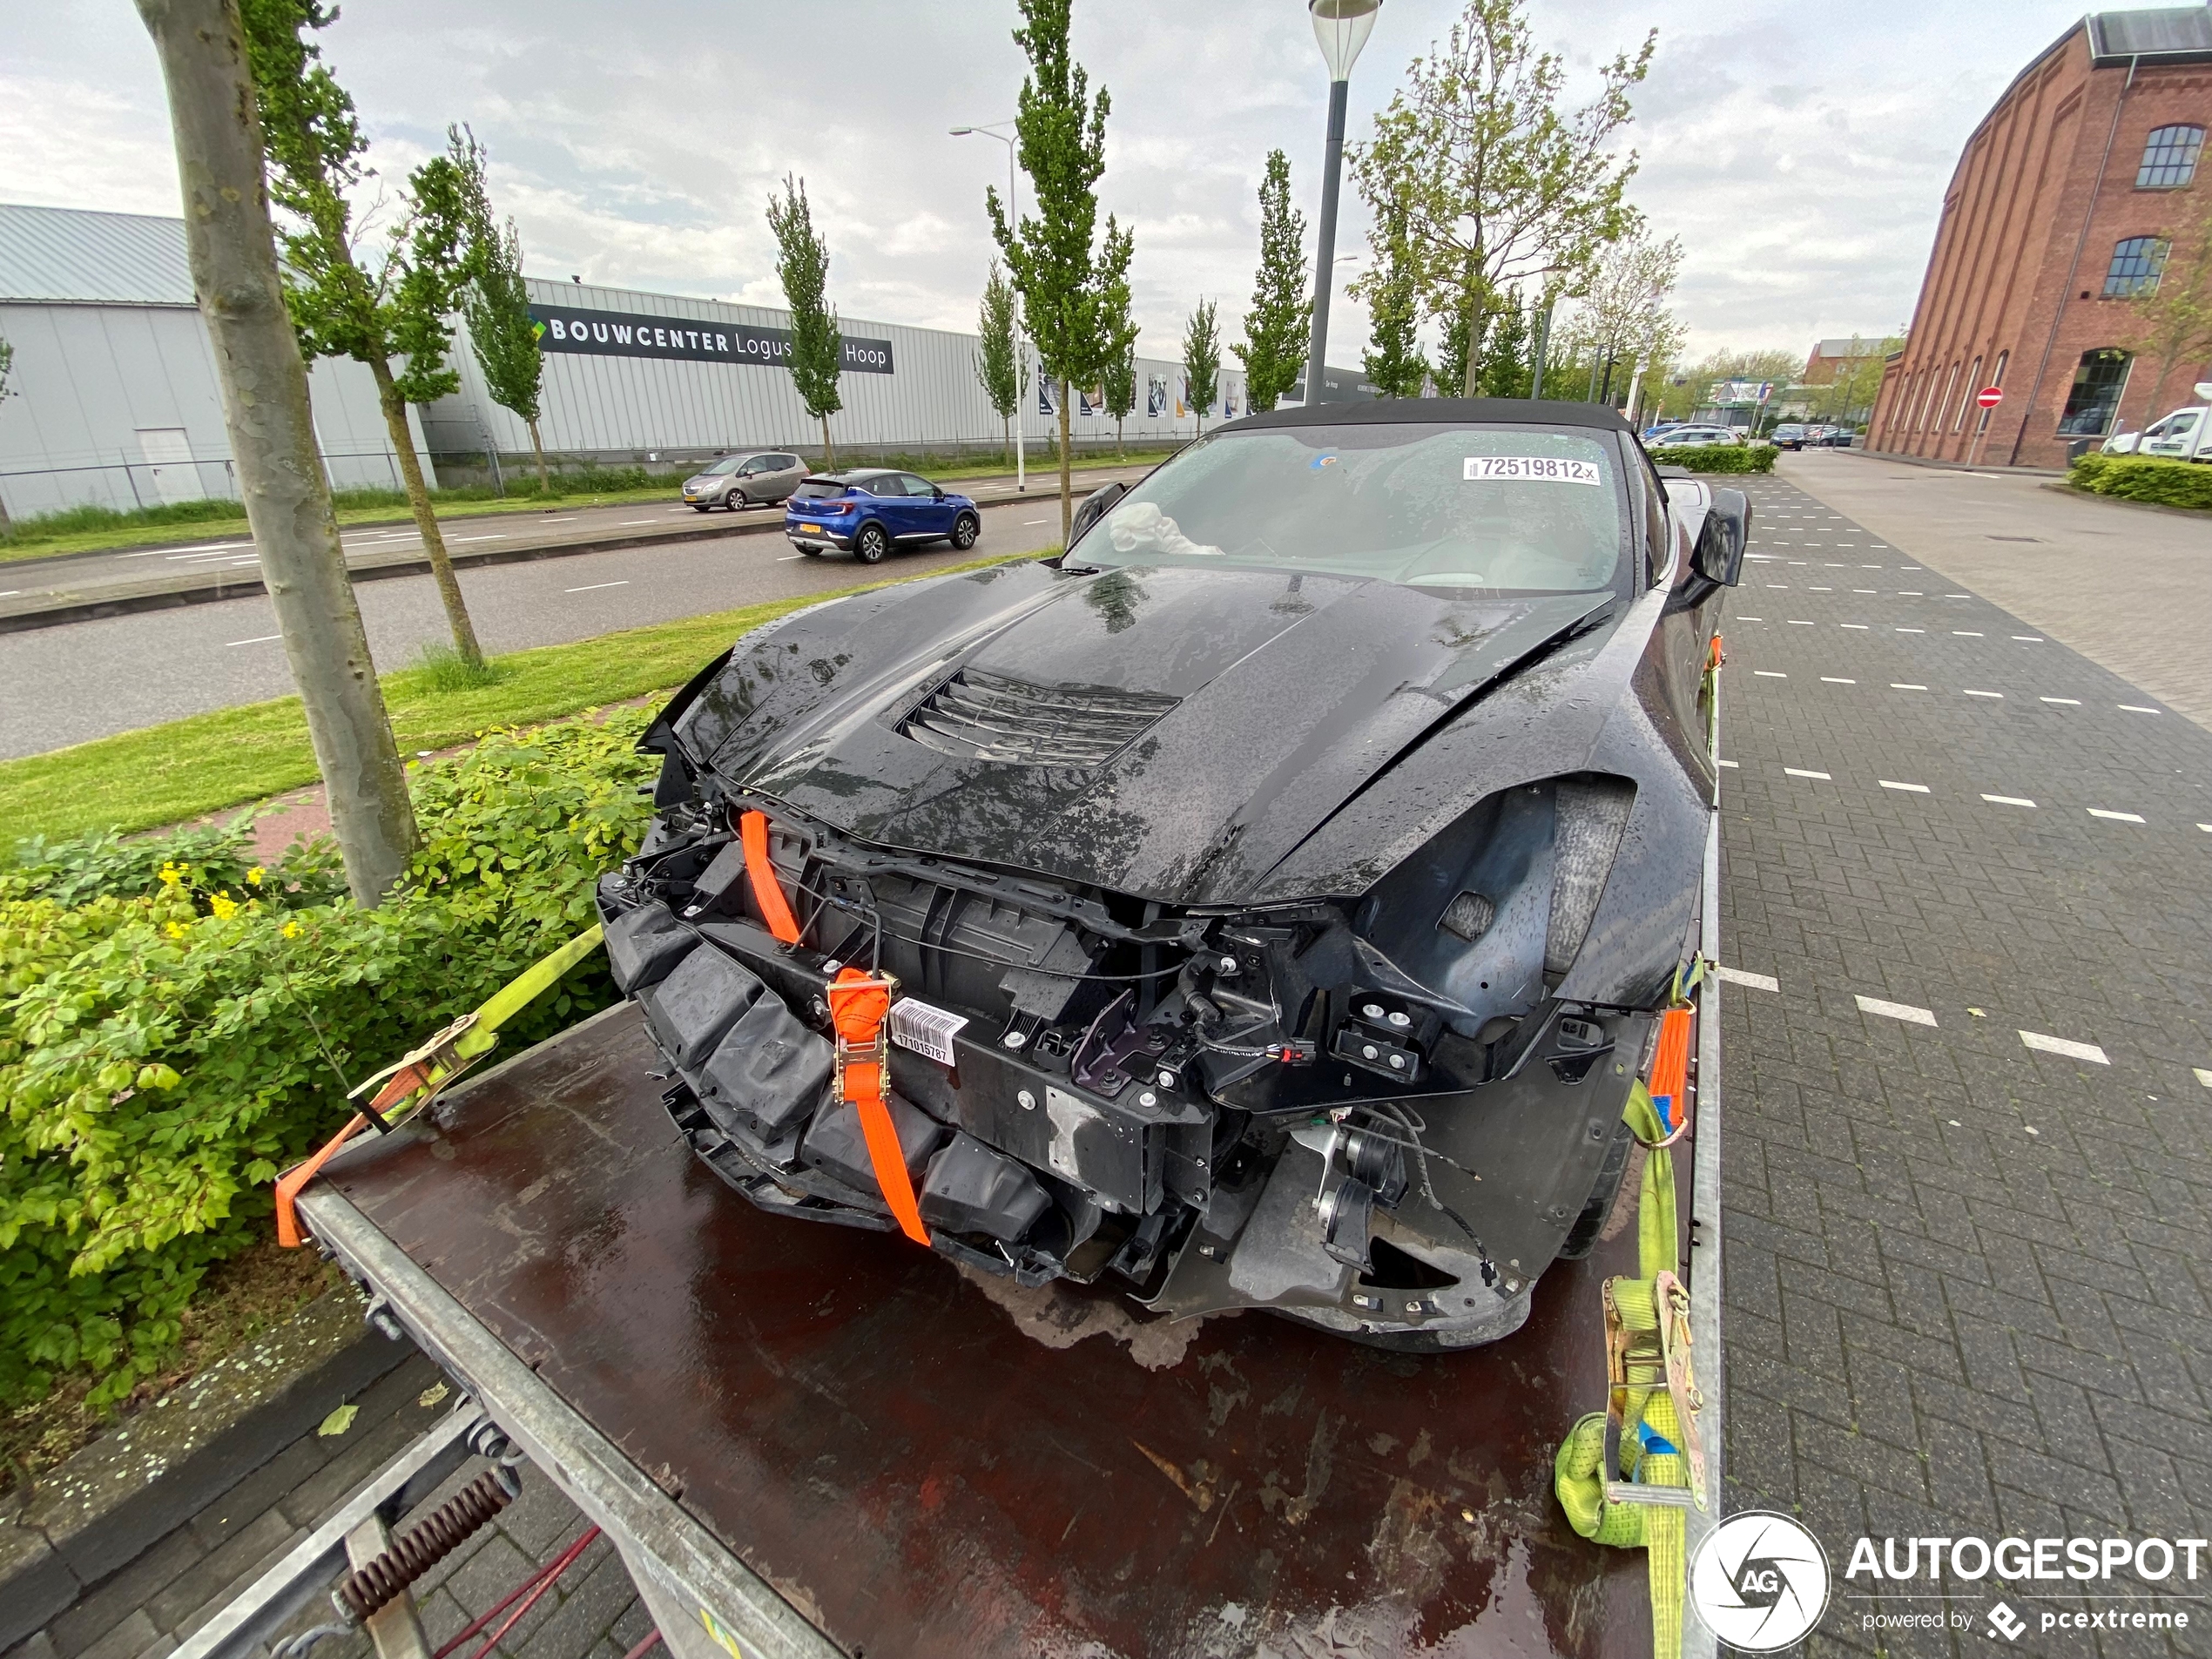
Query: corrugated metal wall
{"type": "Point", "coordinates": [91, 381]}
{"type": "Point", "coordinates": [628, 409]}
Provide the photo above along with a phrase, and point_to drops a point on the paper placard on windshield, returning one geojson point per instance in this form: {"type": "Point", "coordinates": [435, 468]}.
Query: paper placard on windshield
{"type": "Point", "coordinates": [1541, 469]}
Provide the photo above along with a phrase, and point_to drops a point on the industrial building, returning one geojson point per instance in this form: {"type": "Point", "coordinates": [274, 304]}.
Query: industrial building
{"type": "Point", "coordinates": [112, 400]}
{"type": "Point", "coordinates": [2069, 198]}
{"type": "Point", "coordinates": [633, 378]}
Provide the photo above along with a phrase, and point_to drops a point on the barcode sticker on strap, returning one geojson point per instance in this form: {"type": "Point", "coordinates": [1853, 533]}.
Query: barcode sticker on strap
{"type": "Point", "coordinates": [925, 1029]}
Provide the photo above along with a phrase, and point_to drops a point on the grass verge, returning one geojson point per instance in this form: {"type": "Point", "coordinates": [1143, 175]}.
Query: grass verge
{"type": "Point", "coordinates": [186, 769]}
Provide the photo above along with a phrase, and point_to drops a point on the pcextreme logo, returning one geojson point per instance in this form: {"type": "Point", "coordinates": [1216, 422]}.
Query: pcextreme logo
{"type": "Point", "coordinates": [1760, 1581]}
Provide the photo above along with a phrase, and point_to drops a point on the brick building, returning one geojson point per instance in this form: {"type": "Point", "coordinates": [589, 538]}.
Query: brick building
{"type": "Point", "coordinates": [2062, 210]}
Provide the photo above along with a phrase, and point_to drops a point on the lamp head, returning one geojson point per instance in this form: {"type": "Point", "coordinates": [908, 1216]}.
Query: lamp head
{"type": "Point", "coordinates": [1342, 28]}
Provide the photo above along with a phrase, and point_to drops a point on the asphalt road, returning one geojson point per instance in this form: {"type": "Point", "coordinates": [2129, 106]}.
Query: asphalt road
{"type": "Point", "coordinates": [214, 560]}
{"type": "Point", "coordinates": [87, 680]}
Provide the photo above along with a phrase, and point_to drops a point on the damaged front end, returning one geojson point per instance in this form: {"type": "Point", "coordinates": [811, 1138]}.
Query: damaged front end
{"type": "Point", "coordinates": [1374, 1113]}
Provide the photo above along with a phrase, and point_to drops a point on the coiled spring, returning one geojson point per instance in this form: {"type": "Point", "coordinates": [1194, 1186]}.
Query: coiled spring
{"type": "Point", "coordinates": [421, 1547]}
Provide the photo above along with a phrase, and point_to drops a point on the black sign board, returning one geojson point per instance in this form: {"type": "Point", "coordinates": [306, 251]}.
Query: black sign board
{"type": "Point", "coordinates": [617, 334]}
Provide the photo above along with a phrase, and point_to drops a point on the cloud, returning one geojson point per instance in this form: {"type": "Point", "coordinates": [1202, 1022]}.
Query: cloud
{"type": "Point", "coordinates": [1799, 152]}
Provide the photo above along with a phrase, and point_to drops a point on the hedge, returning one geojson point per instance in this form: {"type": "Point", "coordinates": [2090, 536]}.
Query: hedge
{"type": "Point", "coordinates": [1716, 457]}
{"type": "Point", "coordinates": [2148, 478]}
{"type": "Point", "coordinates": [177, 1024]}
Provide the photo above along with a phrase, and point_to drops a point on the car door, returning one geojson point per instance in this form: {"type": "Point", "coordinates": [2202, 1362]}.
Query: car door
{"type": "Point", "coordinates": [777, 484]}
{"type": "Point", "coordinates": [891, 506]}
{"type": "Point", "coordinates": [933, 515]}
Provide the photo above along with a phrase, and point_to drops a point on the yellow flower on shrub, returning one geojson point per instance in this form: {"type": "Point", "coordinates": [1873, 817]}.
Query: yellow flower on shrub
{"type": "Point", "coordinates": [171, 876]}
{"type": "Point", "coordinates": [223, 906]}
{"type": "Point", "coordinates": [292, 930]}
{"type": "Point", "coordinates": [255, 874]}
{"type": "Point", "coordinates": [175, 929]}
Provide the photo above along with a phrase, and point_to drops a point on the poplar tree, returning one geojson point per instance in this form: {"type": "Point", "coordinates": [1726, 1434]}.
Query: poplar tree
{"type": "Point", "coordinates": [393, 314]}
{"type": "Point", "coordinates": [1507, 370]}
{"type": "Point", "coordinates": [231, 244]}
{"type": "Point", "coordinates": [1498, 184]}
{"type": "Point", "coordinates": [1118, 374]}
{"type": "Point", "coordinates": [1060, 135]}
{"type": "Point", "coordinates": [1274, 347]}
{"type": "Point", "coordinates": [1120, 387]}
{"type": "Point", "coordinates": [1202, 360]}
{"type": "Point", "coordinates": [495, 304]}
{"type": "Point", "coordinates": [817, 348]}
{"type": "Point", "coordinates": [998, 355]}
{"type": "Point", "coordinates": [1395, 364]}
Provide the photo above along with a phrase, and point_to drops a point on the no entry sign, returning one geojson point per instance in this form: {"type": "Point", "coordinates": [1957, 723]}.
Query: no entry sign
{"type": "Point", "coordinates": [1990, 396]}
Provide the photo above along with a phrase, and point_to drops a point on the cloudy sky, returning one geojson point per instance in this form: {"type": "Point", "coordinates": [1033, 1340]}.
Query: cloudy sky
{"type": "Point", "coordinates": [1799, 150]}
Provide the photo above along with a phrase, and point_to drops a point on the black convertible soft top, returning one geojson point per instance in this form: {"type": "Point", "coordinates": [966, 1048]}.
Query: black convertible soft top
{"type": "Point", "coordinates": [1390, 411]}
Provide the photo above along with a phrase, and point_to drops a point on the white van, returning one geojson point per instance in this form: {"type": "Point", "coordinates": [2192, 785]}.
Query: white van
{"type": "Point", "coordinates": [2185, 434]}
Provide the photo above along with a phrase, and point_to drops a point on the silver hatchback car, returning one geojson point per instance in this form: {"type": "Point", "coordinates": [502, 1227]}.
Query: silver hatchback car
{"type": "Point", "coordinates": [756, 478]}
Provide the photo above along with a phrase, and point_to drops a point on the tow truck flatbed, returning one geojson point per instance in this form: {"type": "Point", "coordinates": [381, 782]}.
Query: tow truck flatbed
{"type": "Point", "coordinates": [815, 1440]}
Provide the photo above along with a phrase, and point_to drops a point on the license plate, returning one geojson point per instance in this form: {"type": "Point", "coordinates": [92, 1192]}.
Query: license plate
{"type": "Point", "coordinates": [812, 530]}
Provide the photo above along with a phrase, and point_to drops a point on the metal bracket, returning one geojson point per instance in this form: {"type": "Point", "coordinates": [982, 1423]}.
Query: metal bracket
{"type": "Point", "coordinates": [1638, 1360]}
{"type": "Point", "coordinates": [427, 1071]}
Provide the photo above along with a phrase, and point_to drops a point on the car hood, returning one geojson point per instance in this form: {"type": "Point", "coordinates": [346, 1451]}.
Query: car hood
{"type": "Point", "coordinates": [1249, 706]}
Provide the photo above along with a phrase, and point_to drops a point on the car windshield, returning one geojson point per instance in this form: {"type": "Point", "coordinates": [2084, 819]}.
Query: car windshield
{"type": "Point", "coordinates": [728, 464]}
{"type": "Point", "coordinates": [1516, 509]}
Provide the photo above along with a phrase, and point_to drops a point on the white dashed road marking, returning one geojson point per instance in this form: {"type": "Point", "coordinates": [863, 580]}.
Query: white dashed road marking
{"type": "Point", "coordinates": [1900, 685]}
{"type": "Point", "coordinates": [1860, 626]}
{"type": "Point", "coordinates": [1798, 772]}
{"type": "Point", "coordinates": [1831, 680]}
{"type": "Point", "coordinates": [1911, 789]}
{"type": "Point", "coordinates": [595, 586]}
{"type": "Point", "coordinates": [2204, 1075]}
{"type": "Point", "coordinates": [2117, 818]}
{"type": "Point", "coordinates": [1896, 1010]}
{"type": "Point", "coordinates": [258, 639]}
{"type": "Point", "coordinates": [1768, 982]}
{"type": "Point", "coordinates": [1995, 694]}
{"type": "Point", "coordinates": [2066, 1046]}
{"type": "Point", "coordinates": [2071, 702]}
{"type": "Point", "coordinates": [1769, 674]}
{"type": "Point", "coordinates": [2137, 708]}
{"type": "Point", "coordinates": [2008, 800]}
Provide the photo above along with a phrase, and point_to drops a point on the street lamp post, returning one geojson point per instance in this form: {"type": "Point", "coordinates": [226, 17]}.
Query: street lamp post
{"type": "Point", "coordinates": [1342, 28]}
{"type": "Point", "coordinates": [1020, 337]}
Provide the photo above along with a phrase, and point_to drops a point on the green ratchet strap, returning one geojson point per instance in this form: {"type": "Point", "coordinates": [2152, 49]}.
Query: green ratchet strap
{"type": "Point", "coordinates": [1623, 1475]}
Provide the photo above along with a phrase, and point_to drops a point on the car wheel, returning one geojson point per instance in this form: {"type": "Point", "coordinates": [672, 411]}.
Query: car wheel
{"type": "Point", "coordinates": [871, 544]}
{"type": "Point", "coordinates": [736, 503]}
{"type": "Point", "coordinates": [966, 529]}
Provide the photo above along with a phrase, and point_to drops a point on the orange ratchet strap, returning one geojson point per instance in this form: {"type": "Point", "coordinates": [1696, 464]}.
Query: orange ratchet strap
{"type": "Point", "coordinates": [287, 1189]}
{"type": "Point", "coordinates": [1669, 1083]}
{"type": "Point", "coordinates": [753, 829]}
{"type": "Point", "coordinates": [859, 1005]}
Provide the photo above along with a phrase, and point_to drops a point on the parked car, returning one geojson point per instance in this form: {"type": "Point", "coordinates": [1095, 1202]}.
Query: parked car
{"type": "Point", "coordinates": [1652, 433]}
{"type": "Point", "coordinates": [1839, 437]}
{"type": "Point", "coordinates": [1790, 435]}
{"type": "Point", "coordinates": [1280, 889]}
{"type": "Point", "coordinates": [868, 512]}
{"type": "Point", "coordinates": [1701, 436]}
{"type": "Point", "coordinates": [762, 477]}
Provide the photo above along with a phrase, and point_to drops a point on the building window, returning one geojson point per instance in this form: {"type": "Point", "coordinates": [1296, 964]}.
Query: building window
{"type": "Point", "coordinates": [2098, 382]}
{"type": "Point", "coordinates": [1967, 397]}
{"type": "Point", "coordinates": [2169, 158]}
{"type": "Point", "coordinates": [2137, 262]}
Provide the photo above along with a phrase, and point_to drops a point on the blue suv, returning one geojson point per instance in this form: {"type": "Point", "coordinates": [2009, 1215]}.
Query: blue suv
{"type": "Point", "coordinates": [868, 513]}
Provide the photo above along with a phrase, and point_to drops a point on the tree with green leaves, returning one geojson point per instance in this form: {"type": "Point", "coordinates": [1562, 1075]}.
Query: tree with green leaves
{"type": "Point", "coordinates": [1117, 377]}
{"type": "Point", "coordinates": [204, 51]}
{"type": "Point", "coordinates": [392, 314]}
{"type": "Point", "coordinates": [817, 357]}
{"type": "Point", "coordinates": [1274, 347]}
{"type": "Point", "coordinates": [1496, 184]}
{"type": "Point", "coordinates": [999, 367]}
{"type": "Point", "coordinates": [1202, 360]}
{"type": "Point", "coordinates": [1395, 363]}
{"type": "Point", "coordinates": [1120, 389]}
{"type": "Point", "coordinates": [1060, 135]}
{"type": "Point", "coordinates": [1506, 366]}
{"type": "Point", "coordinates": [495, 303]}
{"type": "Point", "coordinates": [2173, 320]}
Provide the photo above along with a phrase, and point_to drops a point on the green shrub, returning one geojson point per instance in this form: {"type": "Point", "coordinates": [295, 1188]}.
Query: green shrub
{"type": "Point", "coordinates": [2148, 478]}
{"type": "Point", "coordinates": [1716, 457]}
{"type": "Point", "coordinates": [166, 1049]}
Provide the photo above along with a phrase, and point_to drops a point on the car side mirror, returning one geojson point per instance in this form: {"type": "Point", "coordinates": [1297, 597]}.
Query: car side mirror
{"type": "Point", "coordinates": [936, 492]}
{"type": "Point", "coordinates": [1719, 555]}
{"type": "Point", "coordinates": [1095, 506]}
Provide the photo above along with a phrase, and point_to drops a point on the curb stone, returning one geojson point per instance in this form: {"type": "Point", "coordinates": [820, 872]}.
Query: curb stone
{"type": "Point", "coordinates": [101, 1509]}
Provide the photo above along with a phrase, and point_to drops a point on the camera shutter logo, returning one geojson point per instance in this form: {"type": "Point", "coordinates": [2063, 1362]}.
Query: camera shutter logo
{"type": "Point", "coordinates": [1760, 1581]}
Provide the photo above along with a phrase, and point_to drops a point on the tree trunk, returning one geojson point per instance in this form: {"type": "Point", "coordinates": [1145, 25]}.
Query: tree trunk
{"type": "Point", "coordinates": [1478, 325]}
{"type": "Point", "coordinates": [426, 517]}
{"type": "Point", "coordinates": [829, 454]}
{"type": "Point", "coordinates": [1007, 421]}
{"type": "Point", "coordinates": [1067, 485]}
{"type": "Point", "coordinates": [265, 409]}
{"type": "Point", "coordinates": [1121, 449]}
{"type": "Point", "coordinates": [538, 448]}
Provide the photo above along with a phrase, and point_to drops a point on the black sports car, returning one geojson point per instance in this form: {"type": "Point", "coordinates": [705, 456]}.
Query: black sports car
{"type": "Point", "coordinates": [1274, 894]}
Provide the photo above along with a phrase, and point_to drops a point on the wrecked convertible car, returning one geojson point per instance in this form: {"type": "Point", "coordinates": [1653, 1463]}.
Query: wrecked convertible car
{"type": "Point", "coordinates": [1267, 903]}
